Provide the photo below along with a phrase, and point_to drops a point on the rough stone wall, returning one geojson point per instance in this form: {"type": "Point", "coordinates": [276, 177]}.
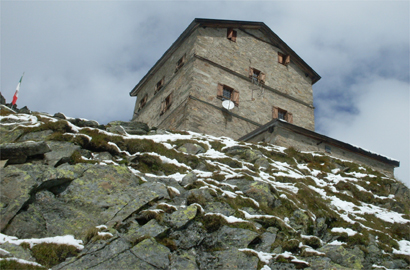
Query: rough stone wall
{"type": "Point", "coordinates": [247, 52]}
{"type": "Point", "coordinates": [255, 105]}
{"type": "Point", "coordinates": [287, 138]}
{"type": "Point", "coordinates": [176, 82]}
{"type": "Point", "coordinates": [203, 118]}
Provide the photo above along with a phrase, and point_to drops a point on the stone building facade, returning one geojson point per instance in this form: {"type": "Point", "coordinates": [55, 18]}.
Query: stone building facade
{"type": "Point", "coordinates": [216, 60]}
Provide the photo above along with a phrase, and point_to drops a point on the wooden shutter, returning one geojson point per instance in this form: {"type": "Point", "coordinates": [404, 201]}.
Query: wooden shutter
{"type": "Point", "coordinates": [250, 72]}
{"type": "Point", "coordinates": [163, 107]}
{"type": "Point", "coordinates": [275, 112]}
{"type": "Point", "coordinates": [183, 59]}
{"type": "Point", "coordinates": [230, 33]}
{"type": "Point", "coordinates": [289, 117]}
{"type": "Point", "coordinates": [170, 99]}
{"type": "Point", "coordinates": [235, 97]}
{"type": "Point", "coordinates": [220, 92]}
{"type": "Point", "coordinates": [287, 60]}
{"type": "Point", "coordinates": [280, 58]}
{"type": "Point", "coordinates": [233, 35]}
{"type": "Point", "coordinates": [262, 77]}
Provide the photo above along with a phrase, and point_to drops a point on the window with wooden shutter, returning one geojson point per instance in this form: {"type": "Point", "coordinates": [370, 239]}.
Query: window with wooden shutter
{"type": "Point", "coordinates": [231, 34]}
{"type": "Point", "coordinates": [278, 113]}
{"type": "Point", "coordinates": [166, 104]}
{"type": "Point", "coordinates": [225, 92]}
{"type": "Point", "coordinates": [143, 102]}
{"type": "Point", "coordinates": [283, 59]}
{"type": "Point", "coordinates": [180, 63]}
{"type": "Point", "coordinates": [159, 85]}
{"type": "Point", "coordinates": [256, 75]}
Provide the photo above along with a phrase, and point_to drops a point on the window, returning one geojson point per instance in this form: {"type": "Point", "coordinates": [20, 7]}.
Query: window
{"type": "Point", "coordinates": [159, 85]}
{"type": "Point", "coordinates": [143, 102]}
{"type": "Point", "coordinates": [283, 59]}
{"type": "Point", "coordinates": [228, 93]}
{"type": "Point", "coordinates": [180, 63]}
{"type": "Point", "coordinates": [165, 104]}
{"type": "Point", "coordinates": [278, 113]}
{"type": "Point", "coordinates": [328, 149]}
{"type": "Point", "coordinates": [231, 34]}
{"type": "Point", "coordinates": [256, 75]}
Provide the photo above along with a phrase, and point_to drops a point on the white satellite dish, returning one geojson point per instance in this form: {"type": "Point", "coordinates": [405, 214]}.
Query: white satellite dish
{"type": "Point", "coordinates": [227, 104]}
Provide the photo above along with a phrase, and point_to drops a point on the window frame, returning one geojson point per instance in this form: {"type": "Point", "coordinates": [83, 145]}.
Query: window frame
{"type": "Point", "coordinates": [231, 34]}
{"type": "Point", "coordinates": [180, 63]}
{"type": "Point", "coordinates": [159, 85]}
{"type": "Point", "coordinates": [283, 59]}
{"type": "Point", "coordinates": [234, 93]}
{"type": "Point", "coordinates": [166, 103]}
{"type": "Point", "coordinates": [260, 76]}
{"type": "Point", "coordinates": [143, 102]}
{"type": "Point", "coordinates": [287, 116]}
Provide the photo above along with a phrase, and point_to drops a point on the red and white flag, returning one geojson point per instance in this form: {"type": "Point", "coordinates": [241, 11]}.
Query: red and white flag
{"type": "Point", "coordinates": [17, 91]}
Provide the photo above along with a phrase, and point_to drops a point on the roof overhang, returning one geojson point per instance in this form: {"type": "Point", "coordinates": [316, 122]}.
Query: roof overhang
{"type": "Point", "coordinates": [322, 138]}
{"type": "Point", "coordinates": [273, 38]}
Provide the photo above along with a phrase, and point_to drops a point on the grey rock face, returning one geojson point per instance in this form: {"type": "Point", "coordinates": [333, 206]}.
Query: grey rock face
{"type": "Point", "coordinates": [188, 179]}
{"type": "Point", "coordinates": [190, 237]}
{"type": "Point", "coordinates": [60, 151]}
{"type": "Point", "coordinates": [17, 153]}
{"type": "Point", "coordinates": [35, 136]}
{"type": "Point", "coordinates": [227, 259]}
{"type": "Point", "coordinates": [148, 230]}
{"type": "Point", "coordinates": [191, 148]}
{"type": "Point", "coordinates": [152, 253]}
{"type": "Point", "coordinates": [133, 128]}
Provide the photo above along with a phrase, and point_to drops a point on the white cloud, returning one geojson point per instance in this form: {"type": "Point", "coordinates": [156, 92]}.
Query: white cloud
{"type": "Point", "coordinates": [382, 123]}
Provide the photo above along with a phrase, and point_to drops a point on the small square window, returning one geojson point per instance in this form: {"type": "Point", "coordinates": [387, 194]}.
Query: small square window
{"type": "Point", "coordinates": [256, 75]}
{"type": "Point", "coordinates": [159, 85]}
{"type": "Point", "coordinates": [281, 114]}
{"type": "Point", "coordinates": [166, 104]}
{"type": "Point", "coordinates": [328, 149]}
{"type": "Point", "coordinates": [228, 93]}
{"type": "Point", "coordinates": [283, 59]}
{"type": "Point", "coordinates": [278, 113]}
{"type": "Point", "coordinates": [231, 34]}
{"type": "Point", "coordinates": [180, 63]}
{"type": "Point", "coordinates": [143, 102]}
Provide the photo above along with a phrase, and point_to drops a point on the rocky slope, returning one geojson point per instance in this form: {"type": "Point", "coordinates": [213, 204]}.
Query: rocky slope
{"type": "Point", "coordinates": [79, 195]}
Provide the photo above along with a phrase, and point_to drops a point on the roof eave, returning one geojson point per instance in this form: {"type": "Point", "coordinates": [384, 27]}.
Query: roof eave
{"type": "Point", "coordinates": [318, 136]}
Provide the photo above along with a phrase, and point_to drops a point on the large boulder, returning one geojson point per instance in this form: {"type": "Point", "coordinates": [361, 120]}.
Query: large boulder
{"type": "Point", "coordinates": [59, 151]}
{"type": "Point", "coordinates": [133, 127]}
{"type": "Point", "coordinates": [20, 184]}
{"type": "Point", "coordinates": [349, 258]}
{"type": "Point", "coordinates": [9, 136]}
{"type": "Point", "coordinates": [153, 253]}
{"type": "Point", "coordinates": [17, 153]}
{"type": "Point", "coordinates": [231, 258]}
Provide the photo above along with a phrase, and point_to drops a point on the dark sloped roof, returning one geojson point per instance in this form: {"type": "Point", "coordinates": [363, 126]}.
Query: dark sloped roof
{"type": "Point", "coordinates": [273, 38]}
{"type": "Point", "coordinates": [320, 137]}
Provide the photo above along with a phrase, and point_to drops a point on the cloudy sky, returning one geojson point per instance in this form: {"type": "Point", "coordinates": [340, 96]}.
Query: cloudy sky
{"type": "Point", "coordinates": [83, 58]}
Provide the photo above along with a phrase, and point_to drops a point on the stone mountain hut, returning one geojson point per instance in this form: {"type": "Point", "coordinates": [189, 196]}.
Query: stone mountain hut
{"type": "Point", "coordinates": [239, 79]}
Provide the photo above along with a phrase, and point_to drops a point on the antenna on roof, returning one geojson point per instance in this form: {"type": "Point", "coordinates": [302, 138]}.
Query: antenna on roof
{"type": "Point", "coordinates": [227, 104]}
